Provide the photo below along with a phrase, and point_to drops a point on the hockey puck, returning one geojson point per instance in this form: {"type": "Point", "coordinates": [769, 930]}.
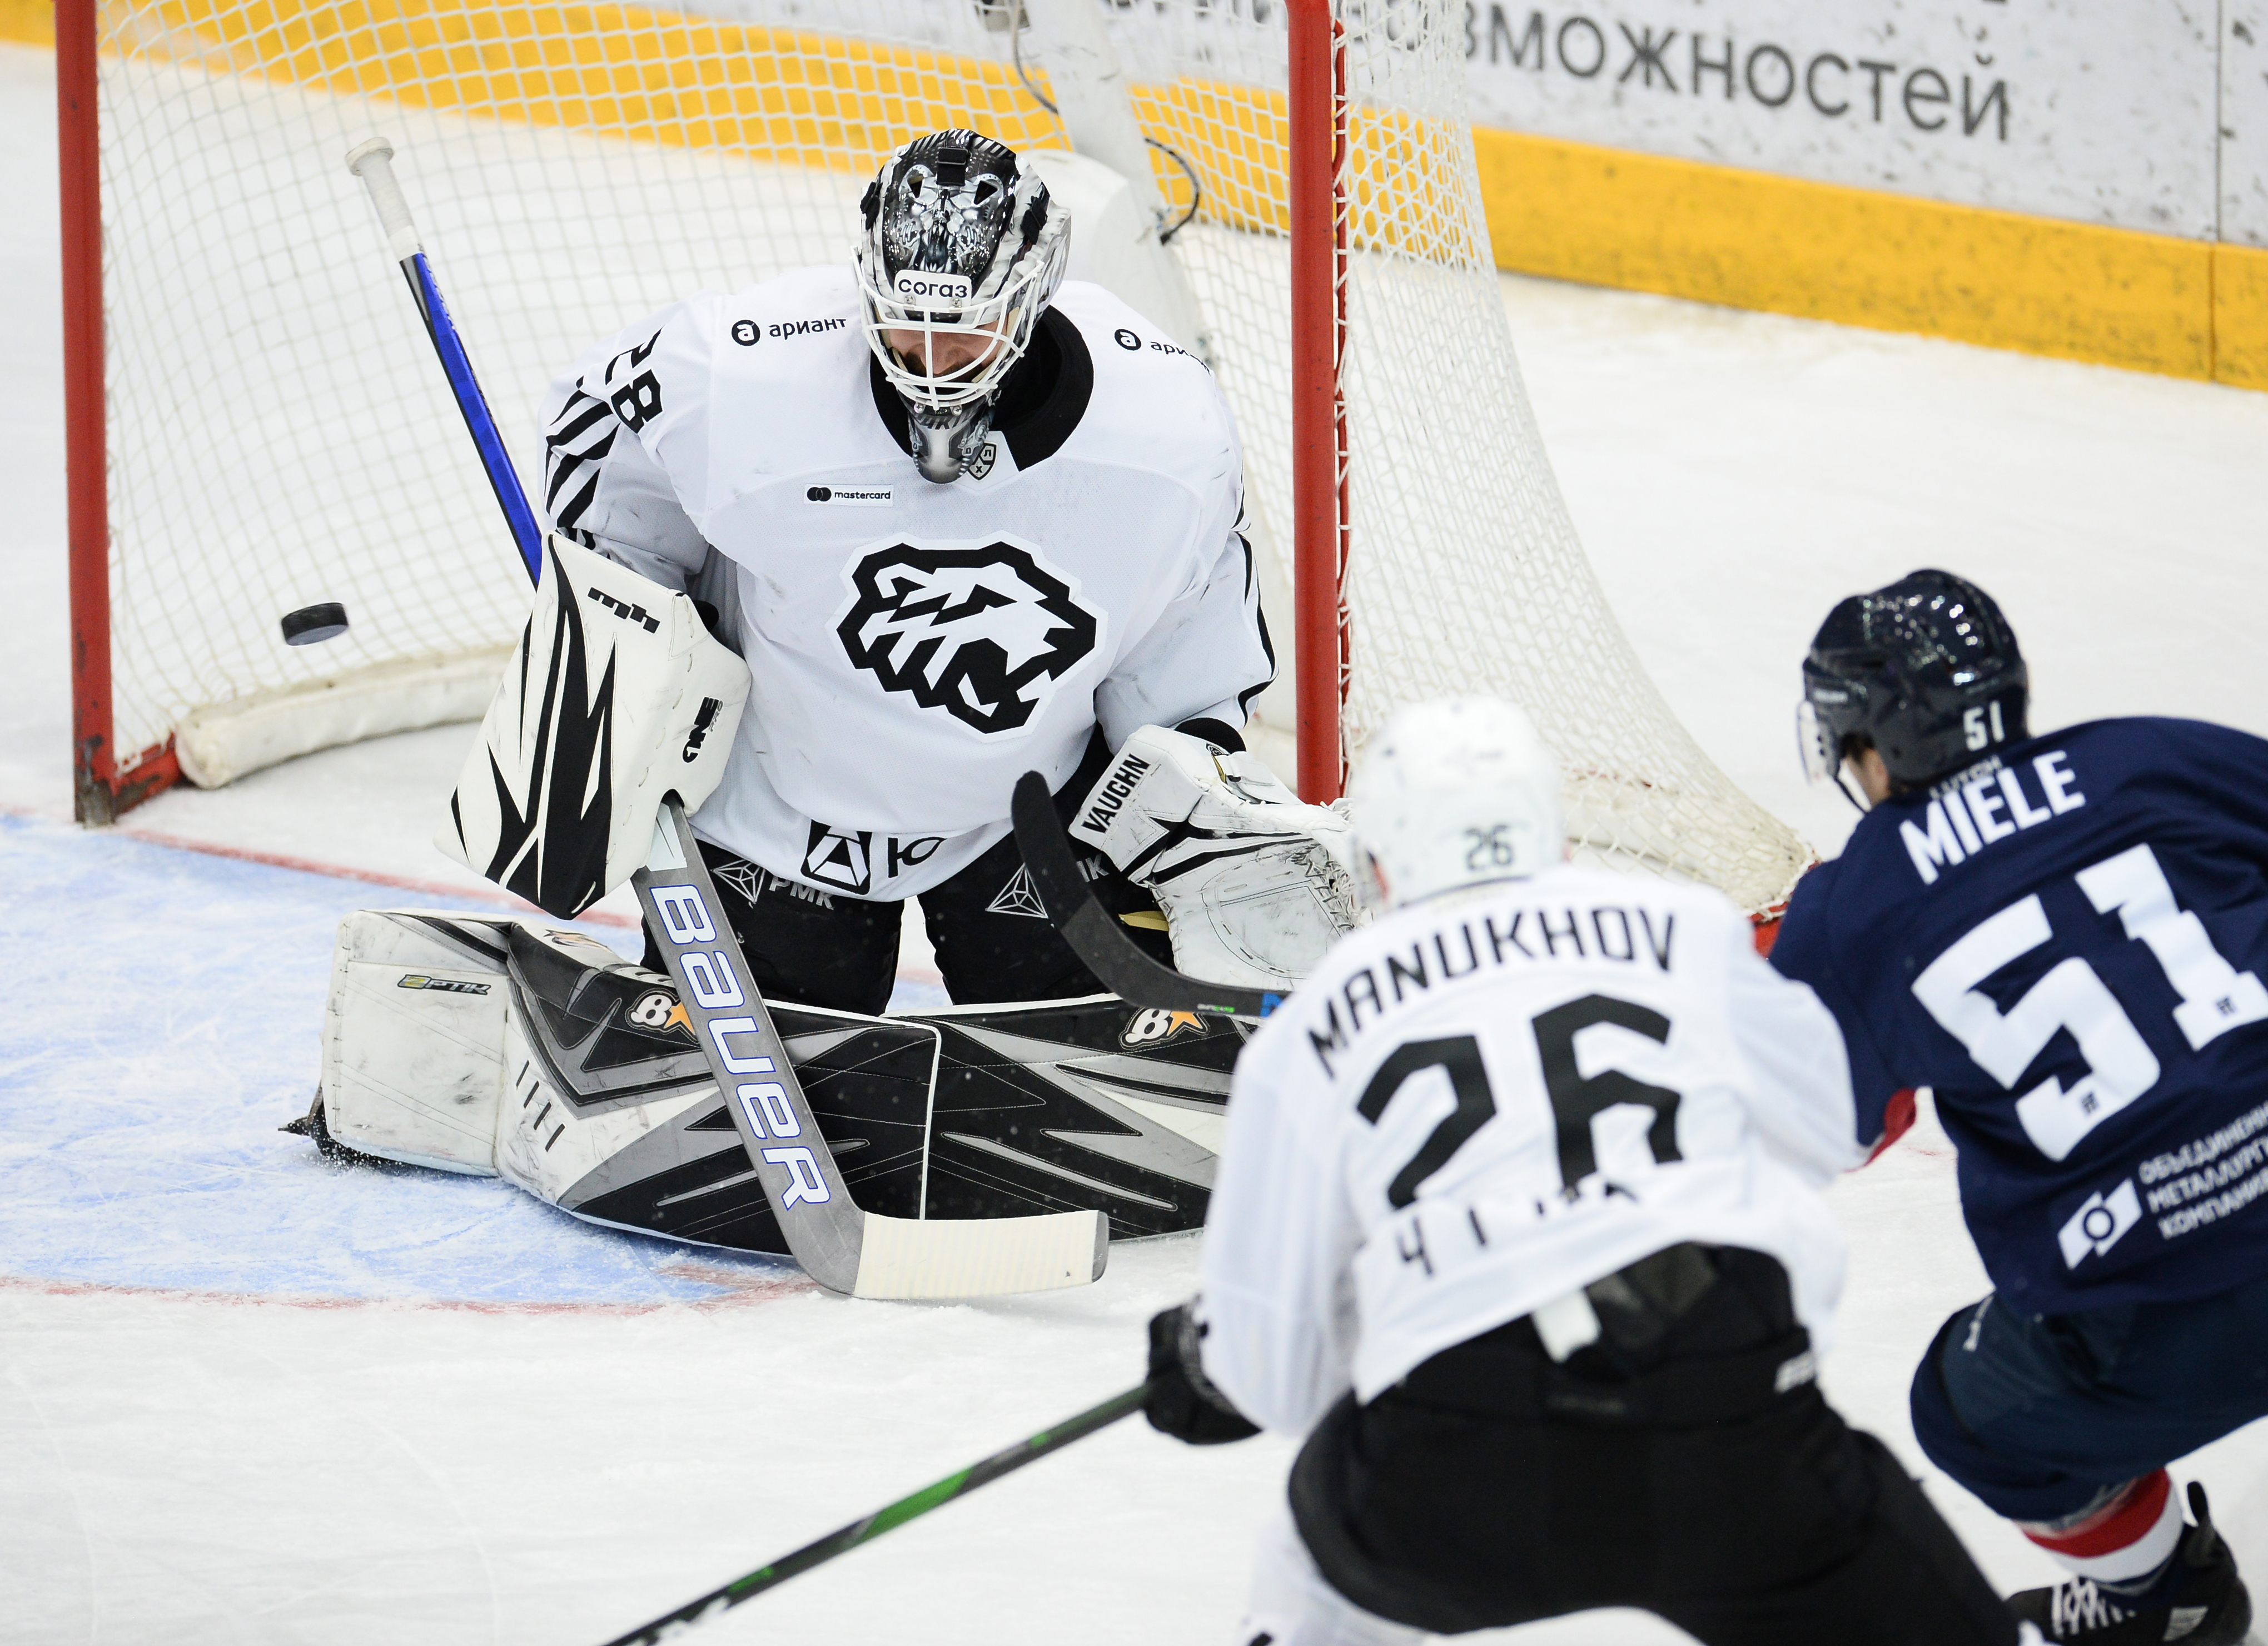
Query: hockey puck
{"type": "Point", "coordinates": [312, 625]}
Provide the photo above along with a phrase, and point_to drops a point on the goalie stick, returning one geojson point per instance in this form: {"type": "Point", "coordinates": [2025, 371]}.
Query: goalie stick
{"type": "Point", "coordinates": [842, 1541]}
{"type": "Point", "coordinates": [844, 1248]}
{"type": "Point", "coordinates": [1099, 939]}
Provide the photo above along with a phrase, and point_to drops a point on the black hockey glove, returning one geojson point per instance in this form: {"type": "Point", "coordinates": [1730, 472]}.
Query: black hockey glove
{"type": "Point", "coordinates": [1182, 1401]}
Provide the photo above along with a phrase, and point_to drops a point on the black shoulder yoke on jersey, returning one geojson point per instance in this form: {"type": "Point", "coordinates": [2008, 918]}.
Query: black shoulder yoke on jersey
{"type": "Point", "coordinates": [1045, 396]}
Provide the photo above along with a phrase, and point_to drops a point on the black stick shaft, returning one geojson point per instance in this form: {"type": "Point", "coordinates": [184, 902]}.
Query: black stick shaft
{"type": "Point", "coordinates": [1097, 938]}
{"type": "Point", "coordinates": [843, 1540]}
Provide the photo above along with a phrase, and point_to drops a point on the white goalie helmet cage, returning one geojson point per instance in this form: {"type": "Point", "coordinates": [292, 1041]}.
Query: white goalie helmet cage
{"type": "Point", "coordinates": [1452, 793]}
{"type": "Point", "coordinates": [958, 239]}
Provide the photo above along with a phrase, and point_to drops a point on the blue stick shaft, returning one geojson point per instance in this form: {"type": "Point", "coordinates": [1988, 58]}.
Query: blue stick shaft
{"type": "Point", "coordinates": [502, 476]}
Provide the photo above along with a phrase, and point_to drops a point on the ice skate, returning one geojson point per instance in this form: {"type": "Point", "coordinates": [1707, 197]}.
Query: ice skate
{"type": "Point", "coordinates": [2207, 1606]}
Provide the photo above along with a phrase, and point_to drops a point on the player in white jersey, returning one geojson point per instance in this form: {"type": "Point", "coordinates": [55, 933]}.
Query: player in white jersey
{"type": "Point", "coordinates": [962, 520]}
{"type": "Point", "coordinates": [1518, 1221]}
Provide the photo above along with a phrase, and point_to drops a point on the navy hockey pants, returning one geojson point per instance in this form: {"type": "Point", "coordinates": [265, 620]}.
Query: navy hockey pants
{"type": "Point", "coordinates": [993, 940]}
{"type": "Point", "coordinates": [2037, 1415]}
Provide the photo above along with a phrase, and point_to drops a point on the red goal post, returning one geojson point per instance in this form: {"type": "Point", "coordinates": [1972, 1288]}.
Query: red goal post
{"type": "Point", "coordinates": [1318, 105]}
{"type": "Point", "coordinates": [103, 784]}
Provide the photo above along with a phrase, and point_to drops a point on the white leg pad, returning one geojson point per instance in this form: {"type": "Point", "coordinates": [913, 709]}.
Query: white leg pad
{"type": "Point", "coordinates": [413, 1042]}
{"type": "Point", "coordinates": [547, 1146]}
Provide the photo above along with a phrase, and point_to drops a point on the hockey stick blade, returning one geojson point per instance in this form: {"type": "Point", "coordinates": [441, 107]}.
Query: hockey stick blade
{"type": "Point", "coordinates": [1097, 937]}
{"type": "Point", "coordinates": [846, 1538]}
{"type": "Point", "coordinates": [861, 1253]}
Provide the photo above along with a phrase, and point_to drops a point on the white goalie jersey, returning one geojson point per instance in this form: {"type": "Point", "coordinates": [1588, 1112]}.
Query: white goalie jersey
{"type": "Point", "coordinates": [914, 647]}
{"type": "Point", "coordinates": [1478, 1105]}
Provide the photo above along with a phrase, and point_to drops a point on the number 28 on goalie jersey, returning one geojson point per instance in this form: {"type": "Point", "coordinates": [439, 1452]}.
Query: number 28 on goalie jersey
{"type": "Point", "coordinates": [1473, 1107]}
{"type": "Point", "coordinates": [2067, 943]}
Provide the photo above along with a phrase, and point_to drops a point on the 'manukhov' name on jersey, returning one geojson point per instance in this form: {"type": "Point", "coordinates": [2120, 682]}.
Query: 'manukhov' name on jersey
{"type": "Point", "coordinates": [914, 647]}
{"type": "Point", "coordinates": [1475, 1106]}
{"type": "Point", "coordinates": [2066, 942]}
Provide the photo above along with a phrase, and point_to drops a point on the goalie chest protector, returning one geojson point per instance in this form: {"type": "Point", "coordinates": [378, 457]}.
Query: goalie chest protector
{"type": "Point", "coordinates": [916, 648]}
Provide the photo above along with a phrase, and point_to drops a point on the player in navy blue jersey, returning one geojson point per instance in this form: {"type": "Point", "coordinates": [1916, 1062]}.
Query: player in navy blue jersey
{"type": "Point", "coordinates": [2063, 938]}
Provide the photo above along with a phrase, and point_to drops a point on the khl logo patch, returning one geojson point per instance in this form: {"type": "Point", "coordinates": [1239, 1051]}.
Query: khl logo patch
{"type": "Point", "coordinates": [982, 634]}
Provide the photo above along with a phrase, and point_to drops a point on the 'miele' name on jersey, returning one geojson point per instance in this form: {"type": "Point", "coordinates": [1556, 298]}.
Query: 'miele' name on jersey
{"type": "Point", "coordinates": [1984, 805]}
{"type": "Point", "coordinates": [1638, 937]}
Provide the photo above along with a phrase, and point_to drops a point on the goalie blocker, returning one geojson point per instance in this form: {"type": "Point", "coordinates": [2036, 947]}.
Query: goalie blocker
{"type": "Point", "coordinates": [616, 696]}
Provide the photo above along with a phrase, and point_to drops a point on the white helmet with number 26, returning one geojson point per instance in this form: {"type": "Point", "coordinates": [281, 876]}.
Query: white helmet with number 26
{"type": "Point", "coordinates": [1457, 792]}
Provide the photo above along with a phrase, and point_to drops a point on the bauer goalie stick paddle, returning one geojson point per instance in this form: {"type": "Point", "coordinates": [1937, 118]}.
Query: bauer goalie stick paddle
{"type": "Point", "coordinates": [1097, 938]}
{"type": "Point", "coordinates": [959, 1484]}
{"type": "Point", "coordinates": [844, 1248]}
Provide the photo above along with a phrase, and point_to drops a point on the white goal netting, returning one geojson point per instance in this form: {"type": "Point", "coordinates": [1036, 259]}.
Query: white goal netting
{"type": "Point", "coordinates": [279, 433]}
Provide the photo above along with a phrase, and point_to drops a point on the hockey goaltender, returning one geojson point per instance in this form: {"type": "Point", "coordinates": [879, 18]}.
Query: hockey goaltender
{"type": "Point", "coordinates": [836, 560]}
{"type": "Point", "coordinates": [960, 522]}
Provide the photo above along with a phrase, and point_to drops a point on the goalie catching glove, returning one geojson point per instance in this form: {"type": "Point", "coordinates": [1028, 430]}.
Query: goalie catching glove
{"type": "Point", "coordinates": [1256, 885]}
{"type": "Point", "coordinates": [616, 695]}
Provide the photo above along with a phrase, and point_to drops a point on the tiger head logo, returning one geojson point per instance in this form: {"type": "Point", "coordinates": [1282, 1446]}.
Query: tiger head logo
{"type": "Point", "coordinates": [982, 634]}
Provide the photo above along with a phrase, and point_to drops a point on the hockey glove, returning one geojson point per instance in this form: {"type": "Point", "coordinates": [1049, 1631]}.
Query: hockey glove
{"type": "Point", "coordinates": [1182, 1401]}
{"type": "Point", "coordinates": [558, 796]}
{"type": "Point", "coordinates": [1254, 883]}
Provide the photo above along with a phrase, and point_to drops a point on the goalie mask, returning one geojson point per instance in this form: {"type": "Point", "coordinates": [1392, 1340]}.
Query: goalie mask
{"type": "Point", "coordinates": [962, 251]}
{"type": "Point", "coordinates": [1453, 794]}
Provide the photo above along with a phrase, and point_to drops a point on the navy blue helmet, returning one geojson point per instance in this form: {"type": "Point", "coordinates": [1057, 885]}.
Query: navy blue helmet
{"type": "Point", "coordinates": [1924, 669]}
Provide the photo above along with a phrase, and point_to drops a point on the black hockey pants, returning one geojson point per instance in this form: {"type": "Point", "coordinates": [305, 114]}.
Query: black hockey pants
{"type": "Point", "coordinates": [994, 942]}
{"type": "Point", "coordinates": [1493, 1486]}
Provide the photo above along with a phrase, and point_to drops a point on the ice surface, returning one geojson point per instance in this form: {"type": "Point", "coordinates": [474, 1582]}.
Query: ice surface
{"type": "Point", "coordinates": [248, 1398]}
{"type": "Point", "coordinates": [139, 1147]}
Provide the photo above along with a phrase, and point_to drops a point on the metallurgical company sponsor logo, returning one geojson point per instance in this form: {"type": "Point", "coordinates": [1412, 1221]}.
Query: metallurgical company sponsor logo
{"type": "Point", "coordinates": [2100, 1222]}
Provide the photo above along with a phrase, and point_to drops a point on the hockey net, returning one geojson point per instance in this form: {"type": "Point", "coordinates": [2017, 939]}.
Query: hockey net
{"type": "Point", "coordinates": [278, 434]}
